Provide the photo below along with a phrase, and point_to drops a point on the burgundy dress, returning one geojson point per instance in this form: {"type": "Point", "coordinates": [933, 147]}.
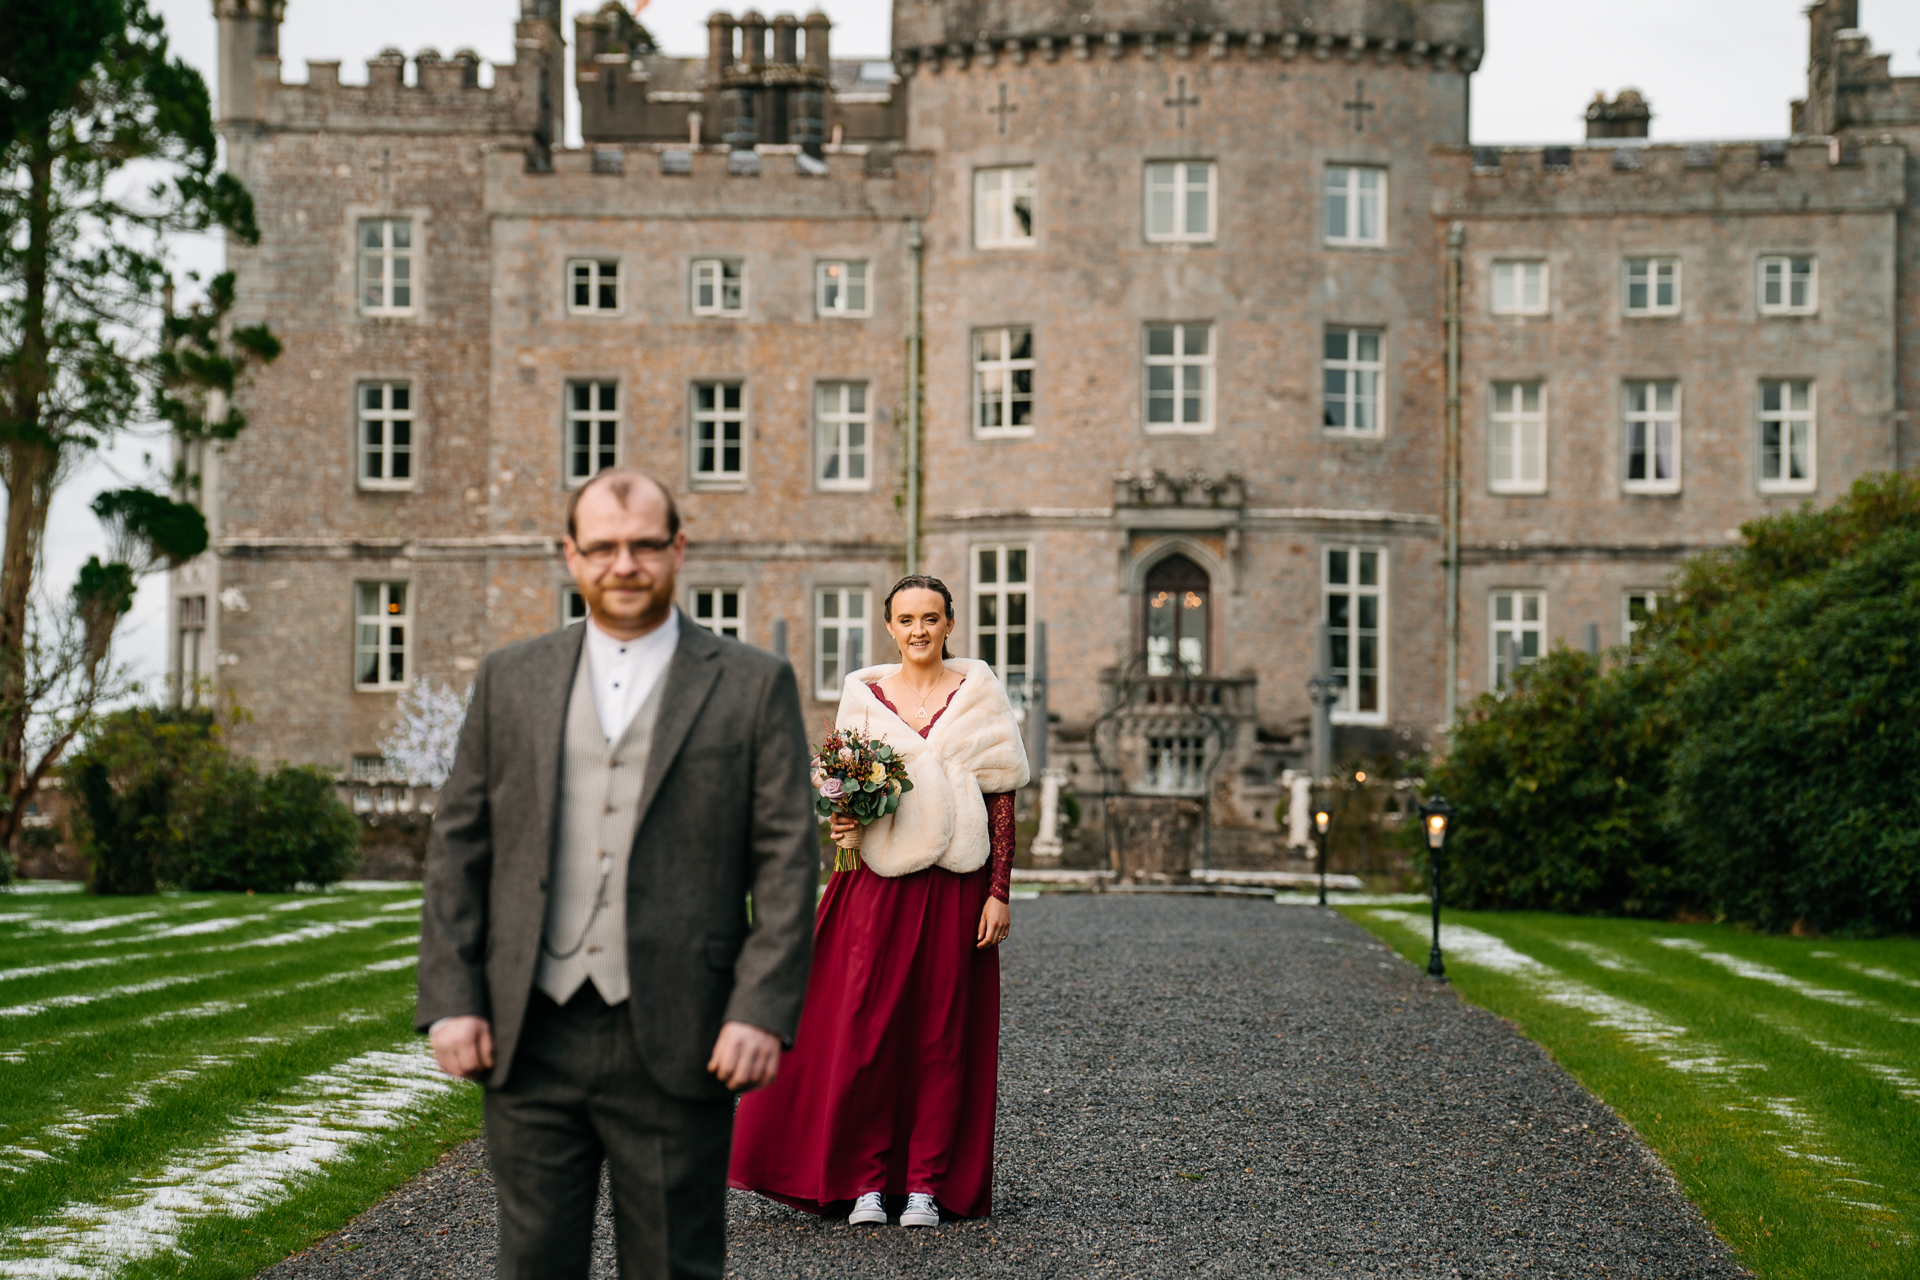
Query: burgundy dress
{"type": "Point", "coordinates": [891, 1082]}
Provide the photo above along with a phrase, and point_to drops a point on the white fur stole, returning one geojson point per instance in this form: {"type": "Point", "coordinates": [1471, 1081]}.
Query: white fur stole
{"type": "Point", "coordinates": [974, 750]}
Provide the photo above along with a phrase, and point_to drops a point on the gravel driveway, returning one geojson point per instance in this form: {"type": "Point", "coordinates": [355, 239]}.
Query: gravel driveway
{"type": "Point", "coordinates": [1207, 1087]}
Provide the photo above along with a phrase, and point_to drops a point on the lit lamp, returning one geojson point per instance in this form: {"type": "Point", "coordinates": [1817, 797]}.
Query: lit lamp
{"type": "Point", "coordinates": [1436, 817]}
{"type": "Point", "coordinates": [1322, 823]}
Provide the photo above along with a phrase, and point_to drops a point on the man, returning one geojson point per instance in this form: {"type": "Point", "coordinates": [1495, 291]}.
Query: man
{"type": "Point", "coordinates": [622, 790]}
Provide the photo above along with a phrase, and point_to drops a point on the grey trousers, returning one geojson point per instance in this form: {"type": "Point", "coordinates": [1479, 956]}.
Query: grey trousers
{"type": "Point", "coordinates": [578, 1093]}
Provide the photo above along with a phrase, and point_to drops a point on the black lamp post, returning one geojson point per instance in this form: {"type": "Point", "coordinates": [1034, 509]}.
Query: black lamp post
{"type": "Point", "coordinates": [1322, 824]}
{"type": "Point", "coordinates": [1436, 816]}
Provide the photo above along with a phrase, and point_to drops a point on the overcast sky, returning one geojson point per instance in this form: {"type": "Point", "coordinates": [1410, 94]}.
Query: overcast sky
{"type": "Point", "coordinates": [1711, 69]}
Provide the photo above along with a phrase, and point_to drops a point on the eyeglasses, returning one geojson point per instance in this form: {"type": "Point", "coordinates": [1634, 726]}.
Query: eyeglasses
{"type": "Point", "coordinates": [639, 549]}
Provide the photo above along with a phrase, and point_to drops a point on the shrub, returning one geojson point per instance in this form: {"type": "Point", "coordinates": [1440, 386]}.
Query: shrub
{"type": "Point", "coordinates": [165, 804]}
{"type": "Point", "coordinates": [1754, 760]}
{"type": "Point", "coordinates": [127, 779]}
{"type": "Point", "coordinates": [1556, 790]}
{"type": "Point", "coordinates": [1793, 790]}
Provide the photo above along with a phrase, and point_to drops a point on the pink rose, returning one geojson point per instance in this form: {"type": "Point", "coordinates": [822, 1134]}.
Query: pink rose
{"type": "Point", "coordinates": [832, 789]}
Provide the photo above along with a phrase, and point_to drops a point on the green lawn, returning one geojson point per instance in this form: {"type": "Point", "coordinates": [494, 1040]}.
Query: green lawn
{"type": "Point", "coordinates": [199, 1084]}
{"type": "Point", "coordinates": [1779, 1078]}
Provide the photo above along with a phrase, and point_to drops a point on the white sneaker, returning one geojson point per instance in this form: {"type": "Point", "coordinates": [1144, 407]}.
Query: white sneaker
{"type": "Point", "coordinates": [868, 1209]}
{"type": "Point", "coordinates": [920, 1211]}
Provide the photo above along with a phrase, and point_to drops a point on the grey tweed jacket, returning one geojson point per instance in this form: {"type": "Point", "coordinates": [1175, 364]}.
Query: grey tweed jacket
{"type": "Point", "coordinates": [726, 815]}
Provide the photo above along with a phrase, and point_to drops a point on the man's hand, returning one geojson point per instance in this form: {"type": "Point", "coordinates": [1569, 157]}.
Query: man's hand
{"type": "Point", "coordinates": [745, 1057]}
{"type": "Point", "coordinates": [463, 1047]}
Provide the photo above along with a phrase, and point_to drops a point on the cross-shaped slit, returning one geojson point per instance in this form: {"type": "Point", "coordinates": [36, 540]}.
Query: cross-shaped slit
{"type": "Point", "coordinates": [1180, 101]}
{"type": "Point", "coordinates": [1004, 110]}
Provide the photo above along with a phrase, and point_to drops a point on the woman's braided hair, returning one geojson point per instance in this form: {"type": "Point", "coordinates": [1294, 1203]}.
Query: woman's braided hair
{"type": "Point", "coordinates": [920, 582]}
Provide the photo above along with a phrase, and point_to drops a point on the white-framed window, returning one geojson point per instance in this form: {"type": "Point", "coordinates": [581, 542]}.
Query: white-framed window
{"type": "Point", "coordinates": [593, 429]}
{"type": "Point", "coordinates": [1003, 381]}
{"type": "Point", "coordinates": [1002, 600]}
{"type": "Point", "coordinates": [1517, 439]}
{"type": "Point", "coordinates": [1789, 285]}
{"type": "Point", "coordinates": [1653, 287]}
{"type": "Point", "coordinates": [386, 435]}
{"type": "Point", "coordinates": [1519, 632]}
{"type": "Point", "coordinates": [1652, 437]}
{"type": "Point", "coordinates": [386, 266]}
{"type": "Point", "coordinates": [1520, 287]}
{"type": "Point", "coordinates": [717, 609]}
{"type": "Point", "coordinates": [1787, 436]}
{"type": "Point", "coordinates": [839, 637]}
{"type": "Point", "coordinates": [1179, 367]}
{"type": "Point", "coordinates": [1003, 208]}
{"type": "Point", "coordinates": [719, 433]}
{"type": "Point", "coordinates": [1352, 370]}
{"type": "Point", "coordinates": [381, 627]}
{"type": "Point", "coordinates": [593, 286]}
{"type": "Point", "coordinates": [1635, 608]}
{"type": "Point", "coordinates": [1356, 605]}
{"type": "Point", "coordinates": [719, 287]}
{"type": "Point", "coordinates": [842, 425]}
{"type": "Point", "coordinates": [840, 288]}
{"type": "Point", "coordinates": [1180, 200]}
{"type": "Point", "coordinates": [573, 605]}
{"type": "Point", "coordinates": [1356, 205]}
{"type": "Point", "coordinates": [192, 633]}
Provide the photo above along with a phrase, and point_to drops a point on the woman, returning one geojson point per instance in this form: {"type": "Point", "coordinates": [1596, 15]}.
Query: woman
{"type": "Point", "coordinates": [890, 1086]}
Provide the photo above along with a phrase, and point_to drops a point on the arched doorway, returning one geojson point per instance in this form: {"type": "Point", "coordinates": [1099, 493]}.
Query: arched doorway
{"type": "Point", "coordinates": [1176, 622]}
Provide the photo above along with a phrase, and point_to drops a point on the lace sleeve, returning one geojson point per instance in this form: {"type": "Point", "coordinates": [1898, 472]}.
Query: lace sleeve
{"type": "Point", "coordinates": [1000, 840]}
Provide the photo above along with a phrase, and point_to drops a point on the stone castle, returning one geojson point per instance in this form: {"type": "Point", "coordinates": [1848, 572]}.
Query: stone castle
{"type": "Point", "coordinates": [1181, 327]}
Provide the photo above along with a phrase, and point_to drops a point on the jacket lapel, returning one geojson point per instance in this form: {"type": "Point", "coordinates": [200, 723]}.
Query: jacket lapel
{"type": "Point", "coordinates": [550, 691]}
{"type": "Point", "coordinates": [690, 677]}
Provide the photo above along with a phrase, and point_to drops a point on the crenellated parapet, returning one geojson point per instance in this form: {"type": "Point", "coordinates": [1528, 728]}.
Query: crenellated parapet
{"type": "Point", "coordinates": [1799, 176]}
{"type": "Point", "coordinates": [933, 35]}
{"type": "Point", "coordinates": [444, 95]}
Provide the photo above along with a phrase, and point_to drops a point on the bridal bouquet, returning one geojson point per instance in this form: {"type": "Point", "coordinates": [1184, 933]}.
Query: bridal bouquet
{"type": "Point", "coordinates": [861, 777]}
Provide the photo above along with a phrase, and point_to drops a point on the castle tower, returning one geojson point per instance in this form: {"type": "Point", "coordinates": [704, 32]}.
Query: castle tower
{"type": "Point", "coordinates": [1159, 232]}
{"type": "Point", "coordinates": [249, 30]}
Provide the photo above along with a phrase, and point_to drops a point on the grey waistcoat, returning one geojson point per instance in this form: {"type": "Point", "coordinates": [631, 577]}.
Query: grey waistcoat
{"type": "Point", "coordinates": [586, 928]}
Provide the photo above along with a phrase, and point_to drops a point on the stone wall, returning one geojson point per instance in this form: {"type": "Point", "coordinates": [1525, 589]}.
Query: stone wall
{"type": "Point", "coordinates": [1584, 211]}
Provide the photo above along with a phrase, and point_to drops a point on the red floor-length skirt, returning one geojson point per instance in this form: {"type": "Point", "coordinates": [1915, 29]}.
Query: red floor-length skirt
{"type": "Point", "coordinates": [891, 1082]}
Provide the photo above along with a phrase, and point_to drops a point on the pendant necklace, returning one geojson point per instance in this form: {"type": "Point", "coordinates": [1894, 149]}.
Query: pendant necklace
{"type": "Point", "coordinates": [930, 692]}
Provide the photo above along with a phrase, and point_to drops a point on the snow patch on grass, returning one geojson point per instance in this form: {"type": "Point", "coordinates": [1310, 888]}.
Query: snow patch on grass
{"type": "Point", "coordinates": [259, 1162]}
{"type": "Point", "coordinates": [305, 903]}
{"type": "Point", "coordinates": [219, 925]}
{"type": "Point", "coordinates": [74, 1125]}
{"type": "Point", "coordinates": [1669, 1042]}
{"type": "Point", "coordinates": [387, 966]}
{"type": "Point", "coordinates": [1743, 968]}
{"type": "Point", "coordinates": [311, 933]}
{"type": "Point", "coordinates": [1607, 959]}
{"type": "Point", "coordinates": [109, 993]}
{"type": "Point", "coordinates": [95, 924]}
{"type": "Point", "coordinates": [1786, 1122]}
{"type": "Point", "coordinates": [67, 966]}
{"type": "Point", "coordinates": [208, 1009]}
{"type": "Point", "coordinates": [408, 905]}
{"type": "Point", "coordinates": [1882, 973]}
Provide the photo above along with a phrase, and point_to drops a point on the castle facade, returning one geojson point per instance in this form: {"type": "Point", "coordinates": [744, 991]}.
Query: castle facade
{"type": "Point", "coordinates": [1183, 329]}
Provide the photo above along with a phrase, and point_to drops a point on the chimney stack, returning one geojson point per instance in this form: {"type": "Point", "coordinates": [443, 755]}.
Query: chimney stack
{"type": "Point", "coordinates": [1626, 116]}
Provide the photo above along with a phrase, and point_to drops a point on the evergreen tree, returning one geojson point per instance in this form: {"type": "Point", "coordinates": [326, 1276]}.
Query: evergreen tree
{"type": "Point", "coordinates": [107, 149]}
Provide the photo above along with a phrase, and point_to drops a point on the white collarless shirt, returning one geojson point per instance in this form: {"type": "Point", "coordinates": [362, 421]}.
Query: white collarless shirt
{"type": "Point", "coordinates": [624, 672]}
